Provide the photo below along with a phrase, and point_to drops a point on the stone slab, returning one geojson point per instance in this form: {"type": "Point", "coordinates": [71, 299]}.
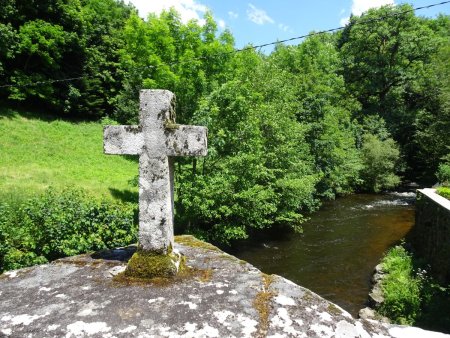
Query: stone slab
{"type": "Point", "coordinates": [225, 297]}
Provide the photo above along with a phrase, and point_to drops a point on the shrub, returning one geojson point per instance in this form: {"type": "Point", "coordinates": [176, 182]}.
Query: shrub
{"type": "Point", "coordinates": [401, 288]}
{"type": "Point", "coordinates": [443, 174]}
{"type": "Point", "coordinates": [412, 295]}
{"type": "Point", "coordinates": [380, 162]}
{"type": "Point", "coordinates": [58, 224]}
{"type": "Point", "coordinates": [444, 191]}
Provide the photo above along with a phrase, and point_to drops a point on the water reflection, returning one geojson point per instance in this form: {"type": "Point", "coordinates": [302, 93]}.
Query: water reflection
{"type": "Point", "coordinates": [340, 246]}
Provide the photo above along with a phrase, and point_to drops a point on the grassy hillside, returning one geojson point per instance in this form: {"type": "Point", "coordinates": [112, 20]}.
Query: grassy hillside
{"type": "Point", "coordinates": [37, 152]}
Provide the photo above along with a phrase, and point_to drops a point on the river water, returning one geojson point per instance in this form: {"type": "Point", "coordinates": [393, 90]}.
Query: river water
{"type": "Point", "coordinates": [339, 247]}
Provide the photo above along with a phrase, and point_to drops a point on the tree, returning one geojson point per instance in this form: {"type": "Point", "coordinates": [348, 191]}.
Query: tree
{"type": "Point", "coordinates": [44, 45]}
{"type": "Point", "coordinates": [103, 24]}
{"type": "Point", "coordinates": [259, 172]}
{"type": "Point", "coordinates": [379, 163]}
{"type": "Point", "coordinates": [40, 50]}
{"type": "Point", "coordinates": [385, 55]}
{"type": "Point", "coordinates": [58, 40]}
{"type": "Point", "coordinates": [433, 119]}
{"type": "Point", "coordinates": [325, 106]}
{"type": "Point", "coordinates": [162, 52]}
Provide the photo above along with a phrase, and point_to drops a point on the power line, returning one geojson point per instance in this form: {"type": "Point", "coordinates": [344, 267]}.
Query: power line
{"type": "Point", "coordinates": [45, 82]}
{"type": "Point", "coordinates": [331, 30]}
{"type": "Point", "coordinates": [381, 18]}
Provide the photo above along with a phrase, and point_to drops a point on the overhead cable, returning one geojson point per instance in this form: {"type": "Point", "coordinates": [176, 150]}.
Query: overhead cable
{"type": "Point", "coordinates": [251, 47]}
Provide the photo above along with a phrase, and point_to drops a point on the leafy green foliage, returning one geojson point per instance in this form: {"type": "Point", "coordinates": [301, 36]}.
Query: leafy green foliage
{"type": "Point", "coordinates": [258, 173]}
{"type": "Point", "coordinates": [401, 289]}
{"type": "Point", "coordinates": [411, 295]}
{"type": "Point", "coordinates": [58, 39]}
{"type": "Point", "coordinates": [379, 163]}
{"type": "Point", "coordinates": [389, 68]}
{"type": "Point", "coordinates": [443, 173]}
{"type": "Point", "coordinates": [164, 53]}
{"type": "Point", "coordinates": [444, 191]}
{"type": "Point", "coordinates": [327, 117]}
{"type": "Point", "coordinates": [322, 103]}
{"type": "Point", "coordinates": [58, 224]}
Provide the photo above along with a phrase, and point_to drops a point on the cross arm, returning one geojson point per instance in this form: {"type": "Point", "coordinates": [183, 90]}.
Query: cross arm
{"type": "Point", "coordinates": [187, 141]}
{"type": "Point", "coordinates": [122, 140]}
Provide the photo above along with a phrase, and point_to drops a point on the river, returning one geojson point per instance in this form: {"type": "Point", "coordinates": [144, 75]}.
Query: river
{"type": "Point", "coordinates": [339, 247]}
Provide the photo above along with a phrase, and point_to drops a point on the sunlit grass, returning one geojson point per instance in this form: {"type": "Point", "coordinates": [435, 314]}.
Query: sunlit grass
{"type": "Point", "coordinates": [38, 153]}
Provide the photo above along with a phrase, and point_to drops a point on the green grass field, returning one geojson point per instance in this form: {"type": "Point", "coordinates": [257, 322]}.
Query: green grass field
{"type": "Point", "coordinates": [36, 153]}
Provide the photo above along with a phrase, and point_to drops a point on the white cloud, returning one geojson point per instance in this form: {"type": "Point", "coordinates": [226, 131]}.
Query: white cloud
{"type": "Point", "coordinates": [188, 9]}
{"type": "Point", "coordinates": [344, 21]}
{"type": "Point", "coordinates": [233, 15]}
{"type": "Point", "coordinates": [361, 6]}
{"type": "Point", "coordinates": [258, 16]}
{"type": "Point", "coordinates": [343, 10]}
{"type": "Point", "coordinates": [221, 23]}
{"type": "Point", "coordinates": [283, 27]}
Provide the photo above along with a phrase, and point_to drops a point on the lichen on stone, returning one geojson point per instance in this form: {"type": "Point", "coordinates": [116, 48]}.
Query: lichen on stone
{"type": "Point", "coordinates": [334, 310]}
{"type": "Point", "coordinates": [170, 124]}
{"type": "Point", "coordinates": [205, 275]}
{"type": "Point", "coordinates": [262, 305]}
{"type": "Point", "coordinates": [193, 242]}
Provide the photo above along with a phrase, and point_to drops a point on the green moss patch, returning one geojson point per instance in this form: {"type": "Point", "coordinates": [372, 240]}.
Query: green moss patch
{"type": "Point", "coordinates": [193, 242]}
{"type": "Point", "coordinates": [187, 274]}
{"type": "Point", "coordinates": [147, 264]}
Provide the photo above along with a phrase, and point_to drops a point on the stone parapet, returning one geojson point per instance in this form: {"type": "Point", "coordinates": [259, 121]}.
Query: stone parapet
{"type": "Point", "coordinates": [430, 235]}
{"type": "Point", "coordinates": [221, 296]}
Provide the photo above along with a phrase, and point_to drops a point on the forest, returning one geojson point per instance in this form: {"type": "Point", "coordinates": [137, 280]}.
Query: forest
{"type": "Point", "coordinates": [362, 109]}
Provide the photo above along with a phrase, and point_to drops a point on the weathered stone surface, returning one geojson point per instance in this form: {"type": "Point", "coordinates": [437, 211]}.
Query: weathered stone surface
{"type": "Point", "coordinates": [225, 297]}
{"type": "Point", "coordinates": [371, 314]}
{"type": "Point", "coordinates": [156, 140]}
{"type": "Point", "coordinates": [378, 274]}
{"type": "Point", "coordinates": [376, 296]}
{"type": "Point", "coordinates": [430, 235]}
{"type": "Point", "coordinates": [367, 313]}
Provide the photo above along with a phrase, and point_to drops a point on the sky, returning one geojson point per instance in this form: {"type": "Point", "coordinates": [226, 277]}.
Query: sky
{"type": "Point", "coordinates": [263, 21]}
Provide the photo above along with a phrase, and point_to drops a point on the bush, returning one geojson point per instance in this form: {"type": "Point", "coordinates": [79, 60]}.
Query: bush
{"type": "Point", "coordinates": [444, 191]}
{"type": "Point", "coordinates": [401, 288]}
{"type": "Point", "coordinates": [412, 296]}
{"type": "Point", "coordinates": [59, 224]}
{"type": "Point", "coordinates": [443, 174]}
{"type": "Point", "coordinates": [380, 162]}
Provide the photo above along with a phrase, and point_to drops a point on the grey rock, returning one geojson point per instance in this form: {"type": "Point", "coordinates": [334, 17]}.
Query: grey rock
{"type": "Point", "coordinates": [376, 296]}
{"type": "Point", "coordinates": [225, 297]}
{"type": "Point", "coordinates": [370, 314]}
{"type": "Point", "coordinates": [367, 313]}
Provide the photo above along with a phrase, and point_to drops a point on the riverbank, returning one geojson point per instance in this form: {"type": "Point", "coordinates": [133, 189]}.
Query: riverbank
{"type": "Point", "coordinates": [411, 283]}
{"type": "Point", "coordinates": [406, 293]}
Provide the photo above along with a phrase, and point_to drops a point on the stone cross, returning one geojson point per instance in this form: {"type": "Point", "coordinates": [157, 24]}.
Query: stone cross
{"type": "Point", "coordinates": [156, 140]}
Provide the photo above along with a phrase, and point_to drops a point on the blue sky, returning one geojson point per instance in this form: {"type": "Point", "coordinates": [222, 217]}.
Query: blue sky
{"type": "Point", "coordinates": [264, 21]}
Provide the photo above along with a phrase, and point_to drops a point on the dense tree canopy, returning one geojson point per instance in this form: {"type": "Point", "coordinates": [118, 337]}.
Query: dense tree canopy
{"type": "Point", "coordinates": [357, 110]}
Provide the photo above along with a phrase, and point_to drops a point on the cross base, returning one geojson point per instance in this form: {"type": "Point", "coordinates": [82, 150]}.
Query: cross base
{"type": "Point", "coordinates": [148, 264]}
